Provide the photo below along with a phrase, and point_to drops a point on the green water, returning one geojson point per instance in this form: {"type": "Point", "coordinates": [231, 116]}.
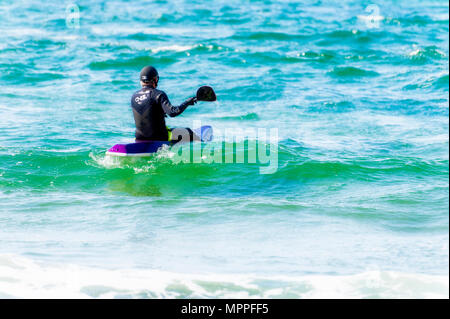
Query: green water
{"type": "Point", "coordinates": [360, 192]}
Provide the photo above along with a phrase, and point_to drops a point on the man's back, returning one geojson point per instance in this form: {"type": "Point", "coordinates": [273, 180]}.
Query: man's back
{"type": "Point", "coordinates": [151, 105]}
{"type": "Point", "coordinates": [149, 114]}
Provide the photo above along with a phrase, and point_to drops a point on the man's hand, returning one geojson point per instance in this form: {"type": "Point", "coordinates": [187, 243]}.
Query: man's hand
{"type": "Point", "coordinates": [191, 101]}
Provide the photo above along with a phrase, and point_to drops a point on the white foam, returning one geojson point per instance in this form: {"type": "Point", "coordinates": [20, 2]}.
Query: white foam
{"type": "Point", "coordinates": [417, 52]}
{"type": "Point", "coordinates": [69, 150]}
{"type": "Point", "coordinates": [106, 160]}
{"type": "Point", "coordinates": [175, 48]}
{"type": "Point", "coordinates": [116, 30]}
{"type": "Point", "coordinates": [20, 32]}
{"type": "Point", "coordinates": [431, 139]}
{"type": "Point", "coordinates": [440, 16]}
{"type": "Point", "coordinates": [112, 162]}
{"type": "Point", "coordinates": [24, 278]}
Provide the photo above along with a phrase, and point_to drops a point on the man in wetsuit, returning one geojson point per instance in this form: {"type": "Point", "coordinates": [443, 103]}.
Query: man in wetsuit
{"type": "Point", "coordinates": [151, 106]}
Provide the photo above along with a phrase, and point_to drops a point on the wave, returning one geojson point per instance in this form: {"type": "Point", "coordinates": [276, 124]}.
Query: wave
{"type": "Point", "coordinates": [324, 56]}
{"type": "Point", "coordinates": [132, 62]}
{"type": "Point", "coordinates": [351, 72]}
{"type": "Point", "coordinates": [332, 107]}
{"type": "Point", "coordinates": [351, 37]}
{"type": "Point", "coordinates": [174, 48]}
{"type": "Point", "coordinates": [83, 169]}
{"type": "Point", "coordinates": [158, 55]}
{"type": "Point", "coordinates": [246, 117]}
{"type": "Point", "coordinates": [24, 278]}
{"type": "Point", "coordinates": [435, 82]}
{"type": "Point", "coordinates": [418, 20]}
{"type": "Point", "coordinates": [441, 82]}
{"type": "Point", "coordinates": [15, 73]}
{"type": "Point", "coordinates": [426, 55]}
{"type": "Point", "coordinates": [265, 35]}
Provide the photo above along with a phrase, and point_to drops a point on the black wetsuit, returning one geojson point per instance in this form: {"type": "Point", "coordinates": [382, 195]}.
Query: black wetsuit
{"type": "Point", "coordinates": [149, 109]}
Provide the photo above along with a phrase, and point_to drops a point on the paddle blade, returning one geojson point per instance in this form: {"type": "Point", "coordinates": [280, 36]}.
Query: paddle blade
{"type": "Point", "coordinates": [206, 93]}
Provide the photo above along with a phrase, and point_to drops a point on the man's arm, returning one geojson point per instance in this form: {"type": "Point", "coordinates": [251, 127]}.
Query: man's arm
{"type": "Point", "coordinates": [171, 110]}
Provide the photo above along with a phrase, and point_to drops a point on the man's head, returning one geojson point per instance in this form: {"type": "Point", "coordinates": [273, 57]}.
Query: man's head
{"type": "Point", "coordinates": [149, 77]}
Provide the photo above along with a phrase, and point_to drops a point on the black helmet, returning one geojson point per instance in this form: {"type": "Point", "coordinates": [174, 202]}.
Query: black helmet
{"type": "Point", "coordinates": [148, 73]}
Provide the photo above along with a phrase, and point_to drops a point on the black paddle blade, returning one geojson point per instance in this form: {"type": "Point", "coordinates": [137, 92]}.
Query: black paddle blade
{"type": "Point", "coordinates": [206, 93]}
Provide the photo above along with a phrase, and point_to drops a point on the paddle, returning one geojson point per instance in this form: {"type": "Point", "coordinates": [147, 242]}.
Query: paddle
{"type": "Point", "coordinates": [206, 93]}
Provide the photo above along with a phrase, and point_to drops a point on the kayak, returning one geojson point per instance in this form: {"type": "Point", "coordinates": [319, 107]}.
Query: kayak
{"type": "Point", "coordinates": [142, 149]}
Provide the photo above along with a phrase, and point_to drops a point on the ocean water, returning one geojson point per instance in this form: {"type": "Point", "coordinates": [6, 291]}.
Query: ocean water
{"type": "Point", "coordinates": [356, 208]}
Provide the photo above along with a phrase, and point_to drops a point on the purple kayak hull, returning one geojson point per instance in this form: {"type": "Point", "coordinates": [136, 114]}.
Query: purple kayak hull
{"type": "Point", "coordinates": [141, 149]}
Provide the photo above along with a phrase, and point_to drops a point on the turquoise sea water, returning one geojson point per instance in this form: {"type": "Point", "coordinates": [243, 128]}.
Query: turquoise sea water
{"type": "Point", "coordinates": [358, 206]}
